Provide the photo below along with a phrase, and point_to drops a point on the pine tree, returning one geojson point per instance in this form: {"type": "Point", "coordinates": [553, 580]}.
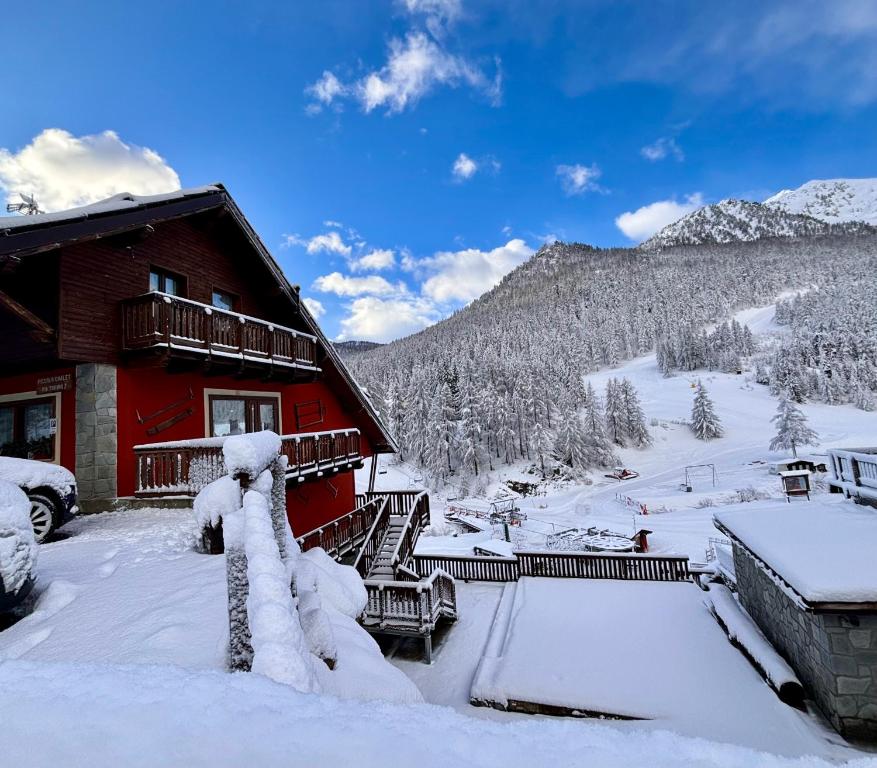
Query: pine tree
{"type": "Point", "coordinates": [704, 422]}
{"type": "Point", "coordinates": [569, 444]}
{"type": "Point", "coordinates": [598, 448]}
{"type": "Point", "coordinates": [792, 429]}
{"type": "Point", "coordinates": [633, 418]}
{"type": "Point", "coordinates": [614, 413]}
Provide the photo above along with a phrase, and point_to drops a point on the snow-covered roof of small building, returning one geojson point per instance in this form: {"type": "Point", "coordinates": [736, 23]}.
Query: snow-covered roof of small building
{"type": "Point", "coordinates": [822, 549]}
{"type": "Point", "coordinates": [795, 473]}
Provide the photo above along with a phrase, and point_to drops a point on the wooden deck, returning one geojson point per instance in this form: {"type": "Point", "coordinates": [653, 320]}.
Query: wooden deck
{"type": "Point", "coordinates": [184, 467]}
{"type": "Point", "coordinates": [181, 326]}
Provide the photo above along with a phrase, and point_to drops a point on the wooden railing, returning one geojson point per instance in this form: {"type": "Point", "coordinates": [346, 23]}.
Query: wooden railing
{"type": "Point", "coordinates": [183, 467]}
{"type": "Point", "coordinates": [342, 535]}
{"type": "Point", "coordinates": [469, 568]}
{"type": "Point", "coordinates": [401, 502]}
{"type": "Point", "coordinates": [160, 320]}
{"type": "Point", "coordinates": [570, 565]}
{"type": "Point", "coordinates": [372, 541]}
{"type": "Point", "coordinates": [417, 518]}
{"type": "Point", "coordinates": [410, 606]}
{"type": "Point", "coordinates": [855, 471]}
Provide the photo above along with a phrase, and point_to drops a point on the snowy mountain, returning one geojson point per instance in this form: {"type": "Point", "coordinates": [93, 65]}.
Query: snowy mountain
{"type": "Point", "coordinates": [733, 221]}
{"type": "Point", "coordinates": [831, 200]}
{"type": "Point", "coordinates": [353, 347]}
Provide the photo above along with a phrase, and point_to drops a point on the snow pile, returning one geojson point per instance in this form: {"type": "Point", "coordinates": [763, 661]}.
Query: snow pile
{"type": "Point", "coordinates": [29, 474]}
{"type": "Point", "coordinates": [339, 585]}
{"type": "Point", "coordinates": [743, 632]}
{"type": "Point", "coordinates": [250, 454]}
{"type": "Point", "coordinates": [279, 649]}
{"type": "Point", "coordinates": [18, 549]}
{"type": "Point", "coordinates": [216, 500]}
{"type": "Point", "coordinates": [824, 548]}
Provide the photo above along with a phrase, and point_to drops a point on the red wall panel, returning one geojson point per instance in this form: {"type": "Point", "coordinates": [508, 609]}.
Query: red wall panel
{"type": "Point", "coordinates": [145, 391]}
{"type": "Point", "coordinates": [317, 502]}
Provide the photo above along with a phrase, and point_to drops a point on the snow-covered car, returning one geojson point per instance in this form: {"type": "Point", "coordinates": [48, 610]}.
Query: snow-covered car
{"type": "Point", "coordinates": [18, 548]}
{"type": "Point", "coordinates": [50, 488]}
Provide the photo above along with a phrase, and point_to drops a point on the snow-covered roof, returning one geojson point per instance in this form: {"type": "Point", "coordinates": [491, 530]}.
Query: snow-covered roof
{"type": "Point", "coordinates": [823, 549]}
{"type": "Point", "coordinates": [795, 473]}
{"type": "Point", "coordinates": [120, 202]}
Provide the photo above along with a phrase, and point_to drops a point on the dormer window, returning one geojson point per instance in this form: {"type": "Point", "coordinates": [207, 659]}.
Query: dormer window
{"type": "Point", "coordinates": [166, 282]}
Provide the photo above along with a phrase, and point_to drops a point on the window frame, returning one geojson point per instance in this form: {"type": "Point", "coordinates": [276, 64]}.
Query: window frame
{"type": "Point", "coordinates": [163, 275]}
{"type": "Point", "coordinates": [249, 397]}
{"type": "Point", "coordinates": [235, 299]}
{"type": "Point", "coordinates": [22, 399]}
{"type": "Point", "coordinates": [302, 421]}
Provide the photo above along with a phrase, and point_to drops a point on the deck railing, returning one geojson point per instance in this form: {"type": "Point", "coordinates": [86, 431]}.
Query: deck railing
{"type": "Point", "coordinates": [372, 541]}
{"type": "Point", "coordinates": [161, 320]}
{"type": "Point", "coordinates": [183, 467]}
{"type": "Point", "coordinates": [570, 565]}
{"type": "Point", "coordinates": [342, 535]}
{"type": "Point", "coordinates": [410, 606]}
{"type": "Point", "coordinates": [854, 471]}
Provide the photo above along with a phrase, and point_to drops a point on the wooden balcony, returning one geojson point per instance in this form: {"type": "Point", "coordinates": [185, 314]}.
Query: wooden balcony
{"type": "Point", "coordinates": [183, 328]}
{"type": "Point", "coordinates": [184, 467]}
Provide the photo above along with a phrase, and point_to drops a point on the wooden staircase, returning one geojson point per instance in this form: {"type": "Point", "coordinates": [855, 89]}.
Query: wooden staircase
{"type": "Point", "coordinates": [383, 567]}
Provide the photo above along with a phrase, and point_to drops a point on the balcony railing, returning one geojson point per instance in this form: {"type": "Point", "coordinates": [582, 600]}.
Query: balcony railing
{"type": "Point", "coordinates": [158, 320]}
{"type": "Point", "coordinates": [184, 467]}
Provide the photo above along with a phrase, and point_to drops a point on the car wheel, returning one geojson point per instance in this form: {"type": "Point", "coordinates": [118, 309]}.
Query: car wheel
{"type": "Point", "coordinates": [42, 516]}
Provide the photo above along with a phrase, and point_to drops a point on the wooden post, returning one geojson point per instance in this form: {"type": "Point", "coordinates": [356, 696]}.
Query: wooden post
{"type": "Point", "coordinates": [372, 473]}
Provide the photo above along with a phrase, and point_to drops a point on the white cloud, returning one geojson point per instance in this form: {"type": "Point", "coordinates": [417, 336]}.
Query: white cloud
{"type": "Point", "coordinates": [414, 67]}
{"type": "Point", "coordinates": [439, 14]}
{"type": "Point", "coordinates": [315, 307]}
{"type": "Point", "coordinates": [324, 92]}
{"type": "Point", "coordinates": [464, 166]}
{"type": "Point", "coordinates": [64, 171]}
{"type": "Point", "coordinates": [344, 285]}
{"type": "Point", "coordinates": [332, 224]}
{"type": "Point", "coordinates": [663, 147]}
{"type": "Point", "coordinates": [644, 222]}
{"type": "Point", "coordinates": [374, 319]}
{"type": "Point", "coordinates": [378, 258]}
{"type": "Point", "coordinates": [465, 275]}
{"type": "Point", "coordinates": [328, 242]}
{"type": "Point", "coordinates": [577, 179]}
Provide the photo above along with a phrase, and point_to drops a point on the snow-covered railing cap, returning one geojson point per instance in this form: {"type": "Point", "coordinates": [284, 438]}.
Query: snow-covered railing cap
{"type": "Point", "coordinates": [250, 454]}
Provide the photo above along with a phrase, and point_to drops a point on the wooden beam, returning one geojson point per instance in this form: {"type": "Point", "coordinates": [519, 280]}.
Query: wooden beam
{"type": "Point", "coordinates": [43, 331]}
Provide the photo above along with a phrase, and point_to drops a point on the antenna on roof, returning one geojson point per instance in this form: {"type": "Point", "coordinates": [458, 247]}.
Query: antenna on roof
{"type": "Point", "coordinates": [28, 205]}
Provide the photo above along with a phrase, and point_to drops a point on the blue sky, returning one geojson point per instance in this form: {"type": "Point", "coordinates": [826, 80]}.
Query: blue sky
{"type": "Point", "coordinates": [441, 141]}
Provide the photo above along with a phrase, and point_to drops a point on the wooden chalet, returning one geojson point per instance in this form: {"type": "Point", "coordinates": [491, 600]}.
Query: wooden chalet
{"type": "Point", "coordinates": [137, 332]}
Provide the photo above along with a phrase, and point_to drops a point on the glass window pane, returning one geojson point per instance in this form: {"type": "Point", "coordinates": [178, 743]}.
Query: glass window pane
{"type": "Point", "coordinates": [266, 416]}
{"type": "Point", "coordinates": [154, 281]}
{"type": "Point", "coordinates": [39, 430]}
{"type": "Point", "coordinates": [7, 423]}
{"type": "Point", "coordinates": [171, 285]}
{"type": "Point", "coordinates": [229, 417]}
{"type": "Point", "coordinates": [222, 300]}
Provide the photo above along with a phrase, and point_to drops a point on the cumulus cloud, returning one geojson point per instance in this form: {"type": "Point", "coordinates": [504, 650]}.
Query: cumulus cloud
{"type": "Point", "coordinates": [464, 166]}
{"type": "Point", "coordinates": [578, 179]}
{"type": "Point", "coordinates": [344, 285]}
{"type": "Point", "coordinates": [64, 171]}
{"type": "Point", "coordinates": [464, 275]}
{"type": "Point", "coordinates": [644, 222]}
{"type": "Point", "coordinates": [328, 242]}
{"type": "Point", "coordinates": [315, 307]}
{"type": "Point", "coordinates": [374, 319]}
{"type": "Point", "coordinates": [662, 148]}
{"type": "Point", "coordinates": [378, 258]}
{"type": "Point", "coordinates": [439, 14]}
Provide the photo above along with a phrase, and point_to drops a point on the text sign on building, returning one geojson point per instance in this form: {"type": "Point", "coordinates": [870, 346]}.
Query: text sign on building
{"type": "Point", "coordinates": [58, 383]}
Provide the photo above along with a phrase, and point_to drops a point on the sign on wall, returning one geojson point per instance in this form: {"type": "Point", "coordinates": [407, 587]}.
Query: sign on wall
{"type": "Point", "coordinates": [58, 383]}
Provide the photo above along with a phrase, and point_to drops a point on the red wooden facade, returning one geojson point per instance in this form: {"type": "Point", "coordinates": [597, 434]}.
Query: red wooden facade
{"type": "Point", "coordinates": [223, 345]}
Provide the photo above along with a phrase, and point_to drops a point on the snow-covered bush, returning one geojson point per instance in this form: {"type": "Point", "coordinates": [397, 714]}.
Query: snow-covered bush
{"type": "Point", "coordinates": [18, 549]}
{"type": "Point", "coordinates": [748, 494]}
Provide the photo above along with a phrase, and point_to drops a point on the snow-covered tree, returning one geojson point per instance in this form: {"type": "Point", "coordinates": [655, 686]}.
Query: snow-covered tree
{"type": "Point", "coordinates": [633, 418]}
{"type": "Point", "coordinates": [792, 429]}
{"type": "Point", "coordinates": [569, 443]}
{"type": "Point", "coordinates": [704, 422]}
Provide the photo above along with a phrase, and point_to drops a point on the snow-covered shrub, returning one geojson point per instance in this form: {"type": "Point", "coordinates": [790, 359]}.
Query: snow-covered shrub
{"type": "Point", "coordinates": [748, 494]}
{"type": "Point", "coordinates": [18, 548]}
{"type": "Point", "coordinates": [339, 585]}
{"type": "Point", "coordinates": [705, 503]}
